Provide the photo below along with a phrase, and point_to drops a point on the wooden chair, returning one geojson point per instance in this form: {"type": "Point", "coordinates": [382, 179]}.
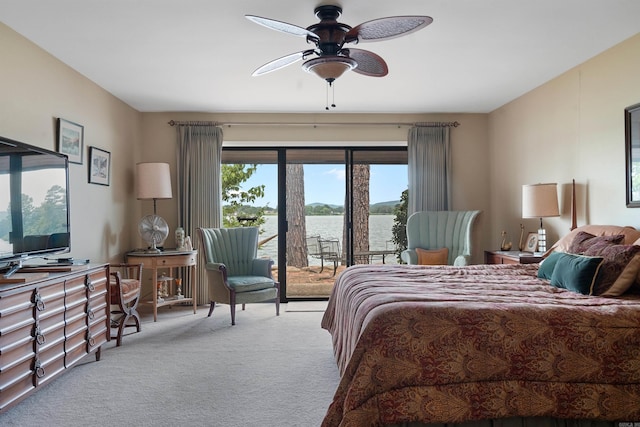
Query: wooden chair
{"type": "Point", "coordinates": [125, 284]}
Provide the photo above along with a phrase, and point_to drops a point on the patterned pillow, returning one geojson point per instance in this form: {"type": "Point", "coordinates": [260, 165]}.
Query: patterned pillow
{"type": "Point", "coordinates": [433, 256]}
{"type": "Point", "coordinates": [619, 269]}
{"type": "Point", "coordinates": [584, 240]}
{"type": "Point", "coordinates": [576, 273]}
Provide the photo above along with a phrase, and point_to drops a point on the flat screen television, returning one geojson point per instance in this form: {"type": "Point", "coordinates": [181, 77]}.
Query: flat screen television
{"type": "Point", "coordinates": [34, 204]}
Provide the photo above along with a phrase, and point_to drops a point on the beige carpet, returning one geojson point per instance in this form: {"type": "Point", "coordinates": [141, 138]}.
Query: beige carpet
{"type": "Point", "coordinates": [192, 370]}
{"type": "Point", "coordinates": [318, 306]}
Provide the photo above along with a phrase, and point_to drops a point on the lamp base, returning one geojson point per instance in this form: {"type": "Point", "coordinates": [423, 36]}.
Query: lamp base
{"type": "Point", "coordinates": [542, 240]}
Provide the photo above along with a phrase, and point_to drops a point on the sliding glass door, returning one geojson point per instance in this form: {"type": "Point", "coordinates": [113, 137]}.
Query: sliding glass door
{"type": "Point", "coordinates": [315, 212]}
{"type": "Point", "coordinates": [323, 210]}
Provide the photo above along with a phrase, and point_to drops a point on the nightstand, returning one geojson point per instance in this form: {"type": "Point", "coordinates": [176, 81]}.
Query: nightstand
{"type": "Point", "coordinates": [511, 257]}
{"type": "Point", "coordinates": [168, 259]}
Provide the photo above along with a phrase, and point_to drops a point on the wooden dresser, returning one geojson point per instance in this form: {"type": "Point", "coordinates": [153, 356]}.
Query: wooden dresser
{"type": "Point", "coordinates": [47, 325]}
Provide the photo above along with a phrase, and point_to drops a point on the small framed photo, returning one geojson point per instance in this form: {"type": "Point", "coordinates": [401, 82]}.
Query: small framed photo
{"type": "Point", "coordinates": [99, 166]}
{"type": "Point", "coordinates": [70, 140]}
{"type": "Point", "coordinates": [531, 245]}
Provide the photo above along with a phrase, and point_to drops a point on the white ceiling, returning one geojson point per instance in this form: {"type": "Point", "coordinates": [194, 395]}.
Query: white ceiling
{"type": "Point", "coordinates": [197, 55]}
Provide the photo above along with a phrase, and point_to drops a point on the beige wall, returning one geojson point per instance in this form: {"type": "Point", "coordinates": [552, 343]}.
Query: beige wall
{"type": "Point", "coordinates": [469, 141]}
{"type": "Point", "coordinates": [37, 89]}
{"type": "Point", "coordinates": [572, 127]}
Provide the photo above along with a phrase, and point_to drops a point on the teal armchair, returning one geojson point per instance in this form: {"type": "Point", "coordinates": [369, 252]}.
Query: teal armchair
{"type": "Point", "coordinates": [440, 229]}
{"type": "Point", "coordinates": [234, 272]}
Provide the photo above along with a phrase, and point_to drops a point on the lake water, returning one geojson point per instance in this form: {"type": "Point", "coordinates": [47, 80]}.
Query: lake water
{"type": "Point", "coordinates": [330, 226]}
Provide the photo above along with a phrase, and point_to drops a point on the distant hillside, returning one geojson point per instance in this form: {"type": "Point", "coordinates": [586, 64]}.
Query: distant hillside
{"type": "Point", "coordinates": [382, 208]}
{"type": "Point", "coordinates": [392, 204]}
{"type": "Point", "coordinates": [315, 205]}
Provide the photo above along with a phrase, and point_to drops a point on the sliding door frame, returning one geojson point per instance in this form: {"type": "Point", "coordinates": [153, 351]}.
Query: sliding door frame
{"type": "Point", "coordinates": [251, 155]}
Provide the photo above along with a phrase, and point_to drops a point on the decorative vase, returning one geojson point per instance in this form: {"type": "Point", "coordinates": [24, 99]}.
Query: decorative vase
{"type": "Point", "coordinates": [505, 246]}
{"type": "Point", "coordinates": [521, 245]}
{"type": "Point", "coordinates": [179, 288]}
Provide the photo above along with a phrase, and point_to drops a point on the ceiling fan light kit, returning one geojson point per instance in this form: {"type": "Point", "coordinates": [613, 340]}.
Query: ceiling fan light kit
{"type": "Point", "coordinates": [329, 68]}
{"type": "Point", "coordinates": [330, 36]}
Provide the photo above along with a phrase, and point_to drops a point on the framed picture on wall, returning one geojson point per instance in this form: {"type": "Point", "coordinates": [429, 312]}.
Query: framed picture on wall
{"type": "Point", "coordinates": [99, 166]}
{"type": "Point", "coordinates": [632, 154]}
{"type": "Point", "coordinates": [70, 140]}
{"type": "Point", "coordinates": [531, 245]}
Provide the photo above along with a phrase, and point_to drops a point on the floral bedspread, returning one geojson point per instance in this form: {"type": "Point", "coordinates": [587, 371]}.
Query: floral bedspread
{"type": "Point", "coordinates": [452, 344]}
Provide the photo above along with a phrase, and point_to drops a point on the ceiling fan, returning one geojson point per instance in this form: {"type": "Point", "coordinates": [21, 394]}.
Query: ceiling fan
{"type": "Point", "coordinates": [329, 59]}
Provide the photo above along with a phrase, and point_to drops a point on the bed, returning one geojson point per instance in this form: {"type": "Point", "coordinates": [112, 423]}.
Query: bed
{"type": "Point", "coordinates": [440, 344]}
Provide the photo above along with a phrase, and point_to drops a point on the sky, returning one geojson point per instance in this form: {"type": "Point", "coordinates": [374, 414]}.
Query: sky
{"type": "Point", "coordinates": [326, 184]}
{"type": "Point", "coordinates": [34, 183]}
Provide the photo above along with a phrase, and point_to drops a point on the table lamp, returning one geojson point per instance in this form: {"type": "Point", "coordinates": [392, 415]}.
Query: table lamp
{"type": "Point", "coordinates": [154, 182]}
{"type": "Point", "coordinates": [540, 201]}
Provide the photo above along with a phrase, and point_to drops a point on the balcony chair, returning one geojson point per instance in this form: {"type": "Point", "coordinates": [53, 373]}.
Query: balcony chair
{"type": "Point", "coordinates": [324, 250]}
{"type": "Point", "coordinates": [235, 275]}
{"type": "Point", "coordinates": [124, 288]}
{"type": "Point", "coordinates": [434, 230]}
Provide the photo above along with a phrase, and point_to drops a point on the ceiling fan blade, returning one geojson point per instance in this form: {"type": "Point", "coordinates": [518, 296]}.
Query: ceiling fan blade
{"type": "Point", "coordinates": [387, 28]}
{"type": "Point", "coordinates": [369, 63]}
{"type": "Point", "coordinates": [282, 26]}
{"type": "Point", "coordinates": [276, 64]}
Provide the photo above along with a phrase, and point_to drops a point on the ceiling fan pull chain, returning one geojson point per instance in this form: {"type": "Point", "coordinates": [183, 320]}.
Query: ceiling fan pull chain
{"type": "Point", "coordinates": [333, 95]}
{"type": "Point", "coordinates": [327, 96]}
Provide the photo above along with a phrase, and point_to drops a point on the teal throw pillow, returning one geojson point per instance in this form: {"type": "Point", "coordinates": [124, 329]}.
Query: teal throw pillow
{"type": "Point", "coordinates": [548, 265]}
{"type": "Point", "coordinates": [576, 272]}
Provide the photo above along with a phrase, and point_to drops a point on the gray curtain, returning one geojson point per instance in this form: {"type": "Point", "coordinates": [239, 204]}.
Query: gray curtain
{"type": "Point", "coordinates": [429, 155]}
{"type": "Point", "coordinates": [199, 176]}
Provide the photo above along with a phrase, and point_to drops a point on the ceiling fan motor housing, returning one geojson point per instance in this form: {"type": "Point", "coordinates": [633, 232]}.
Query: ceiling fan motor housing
{"type": "Point", "coordinates": [331, 34]}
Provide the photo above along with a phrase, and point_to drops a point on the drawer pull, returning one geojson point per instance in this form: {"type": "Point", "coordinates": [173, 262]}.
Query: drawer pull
{"type": "Point", "coordinates": [91, 340]}
{"type": "Point", "coordinates": [38, 369]}
{"type": "Point", "coordinates": [90, 285]}
{"type": "Point", "coordinates": [90, 314]}
{"type": "Point", "coordinates": [40, 338]}
{"type": "Point", "coordinates": [37, 299]}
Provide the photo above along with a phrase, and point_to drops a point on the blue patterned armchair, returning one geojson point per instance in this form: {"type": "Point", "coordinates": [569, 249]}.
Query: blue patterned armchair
{"type": "Point", "coordinates": [440, 229]}
{"type": "Point", "coordinates": [235, 275]}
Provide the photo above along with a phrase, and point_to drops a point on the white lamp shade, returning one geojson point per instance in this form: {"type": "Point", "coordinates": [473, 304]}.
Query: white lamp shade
{"type": "Point", "coordinates": [154, 181]}
{"type": "Point", "coordinates": [540, 200]}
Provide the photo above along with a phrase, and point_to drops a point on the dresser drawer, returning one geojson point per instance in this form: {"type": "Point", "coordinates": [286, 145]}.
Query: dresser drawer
{"type": "Point", "coordinates": [18, 338]}
{"type": "Point", "coordinates": [16, 382]}
{"type": "Point", "coordinates": [51, 362]}
{"type": "Point", "coordinates": [18, 302]}
{"type": "Point", "coordinates": [75, 346]}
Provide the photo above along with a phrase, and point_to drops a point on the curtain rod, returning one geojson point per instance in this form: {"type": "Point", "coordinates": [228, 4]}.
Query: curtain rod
{"type": "Point", "coordinates": [229, 124]}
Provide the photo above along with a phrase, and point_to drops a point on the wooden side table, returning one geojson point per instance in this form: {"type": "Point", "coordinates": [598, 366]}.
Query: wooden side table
{"type": "Point", "coordinates": [511, 257]}
{"type": "Point", "coordinates": [168, 259]}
